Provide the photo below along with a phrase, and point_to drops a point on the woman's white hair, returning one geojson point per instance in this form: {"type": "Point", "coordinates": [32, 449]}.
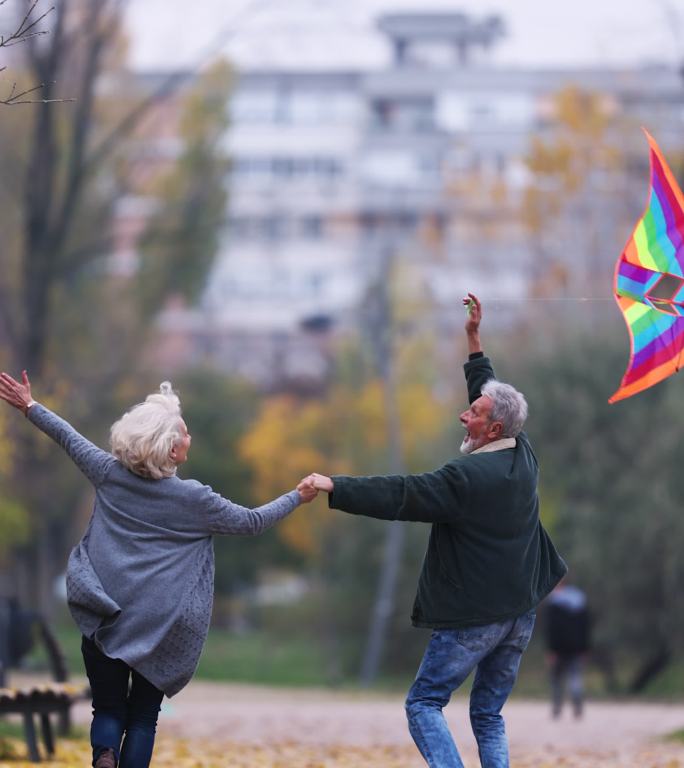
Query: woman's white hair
{"type": "Point", "coordinates": [508, 406]}
{"type": "Point", "coordinates": [143, 437]}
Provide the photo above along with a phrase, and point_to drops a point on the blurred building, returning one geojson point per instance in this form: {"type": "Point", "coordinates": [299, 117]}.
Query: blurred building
{"type": "Point", "coordinates": [335, 173]}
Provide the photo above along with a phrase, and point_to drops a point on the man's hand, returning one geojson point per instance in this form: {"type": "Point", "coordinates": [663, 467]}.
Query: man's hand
{"type": "Point", "coordinates": [307, 490]}
{"type": "Point", "coordinates": [320, 482]}
{"type": "Point", "coordinates": [474, 316]}
{"type": "Point", "coordinates": [14, 393]}
{"type": "Point", "coordinates": [472, 323]}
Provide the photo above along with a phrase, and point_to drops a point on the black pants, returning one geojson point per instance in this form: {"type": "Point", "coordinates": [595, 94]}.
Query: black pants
{"type": "Point", "coordinates": [120, 712]}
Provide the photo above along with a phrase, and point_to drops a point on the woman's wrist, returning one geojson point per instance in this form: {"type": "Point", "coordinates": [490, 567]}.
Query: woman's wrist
{"type": "Point", "coordinates": [28, 407]}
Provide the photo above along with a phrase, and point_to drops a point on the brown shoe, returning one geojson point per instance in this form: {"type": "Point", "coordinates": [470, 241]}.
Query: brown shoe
{"type": "Point", "coordinates": [106, 759]}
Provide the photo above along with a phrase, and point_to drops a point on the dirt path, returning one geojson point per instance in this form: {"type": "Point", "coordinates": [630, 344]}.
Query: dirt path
{"type": "Point", "coordinates": [248, 713]}
{"type": "Point", "coordinates": [320, 723]}
{"type": "Point", "coordinates": [212, 725]}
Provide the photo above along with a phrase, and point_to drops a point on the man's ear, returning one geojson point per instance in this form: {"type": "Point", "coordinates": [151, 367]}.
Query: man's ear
{"type": "Point", "coordinates": [496, 429]}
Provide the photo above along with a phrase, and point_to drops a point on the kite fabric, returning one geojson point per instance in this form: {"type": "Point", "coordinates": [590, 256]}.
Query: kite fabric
{"type": "Point", "coordinates": [649, 283]}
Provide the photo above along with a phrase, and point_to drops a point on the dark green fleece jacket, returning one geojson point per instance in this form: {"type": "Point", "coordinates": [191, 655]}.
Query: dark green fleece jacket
{"type": "Point", "coordinates": [488, 558]}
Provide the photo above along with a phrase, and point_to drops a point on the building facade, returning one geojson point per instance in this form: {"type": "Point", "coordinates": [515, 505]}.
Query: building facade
{"type": "Point", "coordinates": [427, 162]}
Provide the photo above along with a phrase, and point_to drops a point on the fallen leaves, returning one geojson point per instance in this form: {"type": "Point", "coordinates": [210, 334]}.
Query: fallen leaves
{"type": "Point", "coordinates": [203, 754]}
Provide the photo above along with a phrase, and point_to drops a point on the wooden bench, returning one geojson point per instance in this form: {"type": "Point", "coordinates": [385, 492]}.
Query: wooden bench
{"type": "Point", "coordinates": [43, 701]}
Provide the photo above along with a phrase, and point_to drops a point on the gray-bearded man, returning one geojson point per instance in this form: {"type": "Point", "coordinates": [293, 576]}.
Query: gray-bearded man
{"type": "Point", "coordinates": [488, 564]}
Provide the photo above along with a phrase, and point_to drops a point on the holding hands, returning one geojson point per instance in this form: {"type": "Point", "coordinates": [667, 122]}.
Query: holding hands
{"type": "Point", "coordinates": [306, 490]}
{"type": "Point", "coordinates": [310, 485]}
{"type": "Point", "coordinates": [16, 394]}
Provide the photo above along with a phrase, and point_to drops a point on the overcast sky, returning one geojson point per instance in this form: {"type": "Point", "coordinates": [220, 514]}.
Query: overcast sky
{"type": "Point", "coordinates": [179, 33]}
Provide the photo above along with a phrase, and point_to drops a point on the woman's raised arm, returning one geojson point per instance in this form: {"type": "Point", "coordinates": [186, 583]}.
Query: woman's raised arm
{"type": "Point", "coordinates": [91, 460]}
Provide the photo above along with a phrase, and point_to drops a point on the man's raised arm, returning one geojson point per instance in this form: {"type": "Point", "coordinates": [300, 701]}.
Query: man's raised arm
{"type": "Point", "coordinates": [472, 324]}
{"type": "Point", "coordinates": [478, 370]}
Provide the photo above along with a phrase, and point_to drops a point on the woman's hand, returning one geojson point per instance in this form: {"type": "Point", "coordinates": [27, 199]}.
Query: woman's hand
{"type": "Point", "coordinates": [310, 485]}
{"type": "Point", "coordinates": [16, 394]}
{"type": "Point", "coordinates": [306, 490]}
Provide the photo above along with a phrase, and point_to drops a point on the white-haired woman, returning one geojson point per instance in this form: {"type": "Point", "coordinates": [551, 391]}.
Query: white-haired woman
{"type": "Point", "coordinates": [140, 582]}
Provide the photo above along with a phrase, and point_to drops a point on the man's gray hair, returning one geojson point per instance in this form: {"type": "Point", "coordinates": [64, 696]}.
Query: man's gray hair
{"type": "Point", "coordinates": [508, 406]}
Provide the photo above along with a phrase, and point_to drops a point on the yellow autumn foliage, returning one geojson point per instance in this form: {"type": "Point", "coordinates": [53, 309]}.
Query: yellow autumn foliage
{"type": "Point", "coordinates": [281, 451]}
{"type": "Point", "coordinates": [298, 752]}
{"type": "Point", "coordinates": [346, 432]}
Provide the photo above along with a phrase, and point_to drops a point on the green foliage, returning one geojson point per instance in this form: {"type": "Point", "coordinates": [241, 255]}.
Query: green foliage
{"type": "Point", "coordinates": [15, 525]}
{"type": "Point", "coordinates": [614, 473]}
{"type": "Point", "coordinates": [93, 333]}
{"type": "Point", "coordinates": [217, 410]}
{"type": "Point", "coordinates": [182, 238]}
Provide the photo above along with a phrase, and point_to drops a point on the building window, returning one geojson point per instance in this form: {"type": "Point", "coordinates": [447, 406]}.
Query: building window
{"type": "Point", "coordinates": [312, 227]}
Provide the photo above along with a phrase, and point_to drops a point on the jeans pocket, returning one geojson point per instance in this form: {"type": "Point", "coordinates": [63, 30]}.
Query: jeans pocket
{"type": "Point", "coordinates": [480, 639]}
{"type": "Point", "coordinates": [523, 628]}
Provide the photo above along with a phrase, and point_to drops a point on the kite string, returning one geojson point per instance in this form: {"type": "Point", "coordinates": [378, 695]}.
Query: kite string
{"type": "Point", "coordinates": [555, 298]}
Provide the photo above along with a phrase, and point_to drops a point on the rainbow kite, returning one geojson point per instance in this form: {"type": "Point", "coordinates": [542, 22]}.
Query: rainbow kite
{"type": "Point", "coordinates": [649, 284]}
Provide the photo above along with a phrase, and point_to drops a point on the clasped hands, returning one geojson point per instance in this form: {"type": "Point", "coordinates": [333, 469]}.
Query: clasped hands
{"type": "Point", "coordinates": [310, 485]}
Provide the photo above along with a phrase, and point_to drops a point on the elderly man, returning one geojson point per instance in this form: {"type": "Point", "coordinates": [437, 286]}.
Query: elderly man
{"type": "Point", "coordinates": [488, 564]}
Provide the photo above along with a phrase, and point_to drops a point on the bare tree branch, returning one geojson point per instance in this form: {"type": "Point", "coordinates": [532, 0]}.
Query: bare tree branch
{"type": "Point", "coordinates": [17, 98]}
{"type": "Point", "coordinates": [170, 85]}
{"type": "Point", "coordinates": [27, 28]}
{"type": "Point", "coordinates": [82, 120]}
{"type": "Point", "coordinates": [26, 32]}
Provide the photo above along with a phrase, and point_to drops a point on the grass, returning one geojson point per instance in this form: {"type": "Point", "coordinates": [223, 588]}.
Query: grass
{"type": "Point", "coordinates": [258, 658]}
{"type": "Point", "coordinates": [14, 729]}
{"type": "Point", "coordinates": [281, 658]}
{"type": "Point", "coordinates": [11, 730]}
{"type": "Point", "coordinates": [254, 657]}
{"type": "Point", "coordinates": [669, 684]}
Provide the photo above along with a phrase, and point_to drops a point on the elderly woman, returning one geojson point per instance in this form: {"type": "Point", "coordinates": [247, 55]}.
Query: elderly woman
{"type": "Point", "coordinates": [140, 582]}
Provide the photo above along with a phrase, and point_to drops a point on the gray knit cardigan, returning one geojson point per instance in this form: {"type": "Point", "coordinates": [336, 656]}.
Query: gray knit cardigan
{"type": "Point", "coordinates": [141, 580]}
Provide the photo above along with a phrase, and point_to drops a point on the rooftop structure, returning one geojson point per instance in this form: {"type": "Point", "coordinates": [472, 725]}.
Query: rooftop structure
{"type": "Point", "coordinates": [426, 159]}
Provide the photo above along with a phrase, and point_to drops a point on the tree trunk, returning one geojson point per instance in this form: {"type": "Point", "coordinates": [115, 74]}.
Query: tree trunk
{"type": "Point", "coordinates": [650, 669]}
{"type": "Point", "coordinates": [394, 539]}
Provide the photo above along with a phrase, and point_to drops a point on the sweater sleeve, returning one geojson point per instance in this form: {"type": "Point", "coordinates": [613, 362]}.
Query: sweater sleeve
{"type": "Point", "coordinates": [432, 497]}
{"type": "Point", "coordinates": [225, 517]}
{"type": "Point", "coordinates": [478, 371]}
{"type": "Point", "coordinates": [91, 460]}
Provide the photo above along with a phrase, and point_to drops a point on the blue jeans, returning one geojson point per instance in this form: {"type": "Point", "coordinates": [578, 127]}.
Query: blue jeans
{"type": "Point", "coordinates": [118, 710]}
{"type": "Point", "coordinates": [496, 650]}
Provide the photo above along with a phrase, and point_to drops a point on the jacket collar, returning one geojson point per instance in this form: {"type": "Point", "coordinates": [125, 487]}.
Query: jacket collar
{"type": "Point", "coordinates": [497, 445]}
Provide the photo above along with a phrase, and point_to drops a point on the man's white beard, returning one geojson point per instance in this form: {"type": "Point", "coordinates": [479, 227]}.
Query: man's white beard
{"type": "Point", "coordinates": [467, 446]}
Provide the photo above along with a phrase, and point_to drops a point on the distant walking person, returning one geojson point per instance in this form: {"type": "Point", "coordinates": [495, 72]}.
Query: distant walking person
{"type": "Point", "coordinates": [488, 564]}
{"type": "Point", "coordinates": [568, 626]}
{"type": "Point", "coordinates": [140, 582]}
